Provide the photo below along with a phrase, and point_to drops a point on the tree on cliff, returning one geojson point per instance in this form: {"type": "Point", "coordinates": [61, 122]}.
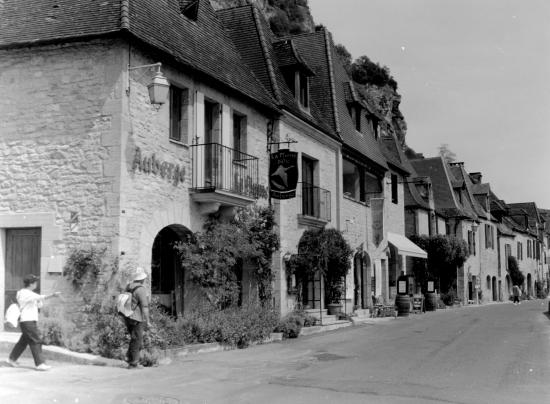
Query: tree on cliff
{"type": "Point", "coordinates": [448, 155]}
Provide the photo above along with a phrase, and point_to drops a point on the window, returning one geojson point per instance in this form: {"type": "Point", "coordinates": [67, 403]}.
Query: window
{"type": "Point", "coordinates": [472, 242]}
{"type": "Point", "coordinates": [239, 132]}
{"type": "Point", "coordinates": [351, 180]}
{"type": "Point", "coordinates": [304, 90]}
{"type": "Point", "coordinates": [355, 114]}
{"type": "Point", "coordinates": [308, 193]}
{"type": "Point", "coordinates": [212, 128]}
{"type": "Point", "coordinates": [394, 194]}
{"type": "Point", "coordinates": [528, 248]}
{"type": "Point", "coordinates": [507, 253]}
{"type": "Point", "coordinates": [179, 114]}
{"type": "Point", "coordinates": [298, 83]}
{"type": "Point", "coordinates": [489, 237]}
{"type": "Point", "coordinates": [520, 251]}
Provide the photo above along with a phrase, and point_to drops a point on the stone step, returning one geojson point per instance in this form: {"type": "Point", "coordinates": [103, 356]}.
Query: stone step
{"type": "Point", "coordinates": [362, 312]}
{"type": "Point", "coordinates": [316, 313]}
{"type": "Point", "coordinates": [326, 320]}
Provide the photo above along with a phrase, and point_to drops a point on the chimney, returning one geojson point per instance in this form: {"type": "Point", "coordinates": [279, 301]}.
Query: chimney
{"type": "Point", "coordinates": [476, 177]}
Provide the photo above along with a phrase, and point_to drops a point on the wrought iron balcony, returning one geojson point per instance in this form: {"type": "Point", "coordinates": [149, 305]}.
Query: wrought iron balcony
{"type": "Point", "coordinates": [223, 175]}
{"type": "Point", "coordinates": [315, 202]}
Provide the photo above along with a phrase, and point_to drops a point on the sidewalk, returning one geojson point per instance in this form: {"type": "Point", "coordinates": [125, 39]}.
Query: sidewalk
{"type": "Point", "coordinates": [55, 353]}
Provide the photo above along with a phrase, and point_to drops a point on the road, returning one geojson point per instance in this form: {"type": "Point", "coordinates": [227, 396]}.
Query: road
{"type": "Point", "coordinates": [497, 353]}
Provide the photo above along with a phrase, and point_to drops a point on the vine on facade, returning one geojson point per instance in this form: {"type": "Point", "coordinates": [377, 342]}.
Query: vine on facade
{"type": "Point", "coordinates": [216, 257]}
{"type": "Point", "coordinates": [326, 253]}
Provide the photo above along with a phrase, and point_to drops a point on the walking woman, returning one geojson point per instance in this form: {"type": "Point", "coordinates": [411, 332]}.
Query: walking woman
{"type": "Point", "coordinates": [29, 303]}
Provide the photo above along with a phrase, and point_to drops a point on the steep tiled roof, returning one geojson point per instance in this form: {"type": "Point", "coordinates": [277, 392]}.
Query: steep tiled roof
{"type": "Point", "coordinates": [446, 202]}
{"type": "Point", "coordinates": [30, 21]}
{"type": "Point", "coordinates": [479, 189]}
{"type": "Point", "coordinates": [329, 85]}
{"type": "Point", "coordinates": [460, 173]}
{"type": "Point", "coordinates": [395, 157]}
{"type": "Point", "coordinates": [200, 45]}
{"type": "Point", "coordinates": [288, 56]}
{"type": "Point", "coordinates": [255, 42]}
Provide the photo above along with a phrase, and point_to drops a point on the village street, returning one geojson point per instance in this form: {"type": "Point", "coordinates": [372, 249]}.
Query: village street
{"type": "Point", "coordinates": [497, 353]}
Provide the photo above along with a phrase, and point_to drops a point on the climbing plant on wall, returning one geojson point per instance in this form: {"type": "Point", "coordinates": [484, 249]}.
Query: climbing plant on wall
{"type": "Point", "coordinates": [213, 257]}
{"type": "Point", "coordinates": [327, 253]}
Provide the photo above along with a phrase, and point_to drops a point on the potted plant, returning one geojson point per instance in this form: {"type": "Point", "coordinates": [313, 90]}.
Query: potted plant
{"type": "Point", "coordinates": [334, 292]}
{"type": "Point", "coordinates": [324, 253]}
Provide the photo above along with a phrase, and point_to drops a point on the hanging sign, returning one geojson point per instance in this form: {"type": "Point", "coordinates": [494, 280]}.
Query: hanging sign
{"type": "Point", "coordinates": [283, 174]}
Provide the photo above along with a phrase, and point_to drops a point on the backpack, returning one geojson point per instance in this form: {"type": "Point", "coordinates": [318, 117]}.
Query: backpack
{"type": "Point", "coordinates": [12, 315]}
{"type": "Point", "coordinates": [124, 302]}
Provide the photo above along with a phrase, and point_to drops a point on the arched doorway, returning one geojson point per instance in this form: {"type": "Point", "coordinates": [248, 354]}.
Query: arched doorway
{"type": "Point", "coordinates": [167, 276]}
{"type": "Point", "coordinates": [529, 285]}
{"type": "Point", "coordinates": [488, 286]}
{"type": "Point", "coordinates": [494, 288]}
{"type": "Point", "coordinates": [362, 280]}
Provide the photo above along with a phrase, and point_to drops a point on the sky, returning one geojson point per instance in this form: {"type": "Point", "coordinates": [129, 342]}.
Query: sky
{"type": "Point", "coordinates": [473, 74]}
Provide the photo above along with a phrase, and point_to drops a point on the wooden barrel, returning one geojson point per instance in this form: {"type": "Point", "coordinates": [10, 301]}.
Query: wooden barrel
{"type": "Point", "coordinates": [430, 301]}
{"type": "Point", "coordinates": [403, 304]}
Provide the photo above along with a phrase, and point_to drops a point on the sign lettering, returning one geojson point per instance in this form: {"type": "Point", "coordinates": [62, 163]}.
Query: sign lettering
{"type": "Point", "coordinates": [283, 174]}
{"type": "Point", "coordinates": [169, 171]}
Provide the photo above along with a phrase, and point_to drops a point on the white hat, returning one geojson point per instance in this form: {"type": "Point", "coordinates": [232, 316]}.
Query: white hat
{"type": "Point", "coordinates": [140, 274]}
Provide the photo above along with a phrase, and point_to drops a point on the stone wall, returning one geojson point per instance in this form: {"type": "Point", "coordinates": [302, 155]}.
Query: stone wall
{"type": "Point", "coordinates": [151, 201]}
{"type": "Point", "coordinates": [316, 146]}
{"type": "Point", "coordinates": [60, 124]}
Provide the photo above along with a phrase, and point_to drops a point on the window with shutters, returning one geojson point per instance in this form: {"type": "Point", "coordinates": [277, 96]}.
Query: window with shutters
{"type": "Point", "coordinates": [394, 189]}
{"type": "Point", "coordinates": [179, 114]}
{"type": "Point", "coordinates": [239, 132]}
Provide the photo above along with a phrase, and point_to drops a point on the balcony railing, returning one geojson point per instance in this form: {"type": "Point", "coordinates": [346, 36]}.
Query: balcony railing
{"type": "Point", "coordinates": [220, 168]}
{"type": "Point", "coordinates": [315, 201]}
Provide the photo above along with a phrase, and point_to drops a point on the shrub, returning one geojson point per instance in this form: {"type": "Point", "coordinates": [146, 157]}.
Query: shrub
{"type": "Point", "coordinates": [54, 327]}
{"type": "Point", "coordinates": [83, 265]}
{"type": "Point", "coordinates": [449, 297]}
{"type": "Point", "coordinates": [292, 324]}
{"type": "Point", "coordinates": [513, 269]}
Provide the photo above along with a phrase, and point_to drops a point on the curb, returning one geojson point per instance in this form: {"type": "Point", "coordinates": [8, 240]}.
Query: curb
{"type": "Point", "coordinates": [322, 328]}
{"type": "Point", "coordinates": [59, 354]}
{"type": "Point", "coordinates": [55, 353]}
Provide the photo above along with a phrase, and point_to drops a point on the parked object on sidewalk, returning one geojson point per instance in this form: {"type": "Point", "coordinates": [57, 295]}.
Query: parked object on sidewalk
{"type": "Point", "coordinates": [382, 308]}
{"type": "Point", "coordinates": [29, 303]}
{"type": "Point", "coordinates": [431, 301]}
{"type": "Point", "coordinates": [418, 304]}
{"type": "Point", "coordinates": [403, 305]}
{"type": "Point", "coordinates": [12, 315]}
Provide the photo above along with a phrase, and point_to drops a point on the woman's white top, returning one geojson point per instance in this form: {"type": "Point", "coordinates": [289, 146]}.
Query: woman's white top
{"type": "Point", "coordinates": [29, 303]}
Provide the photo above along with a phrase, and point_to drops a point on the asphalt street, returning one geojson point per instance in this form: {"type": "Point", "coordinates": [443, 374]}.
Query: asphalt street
{"type": "Point", "coordinates": [498, 353]}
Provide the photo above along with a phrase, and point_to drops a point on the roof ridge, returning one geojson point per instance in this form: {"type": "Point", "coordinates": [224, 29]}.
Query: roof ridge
{"type": "Point", "coordinates": [267, 56]}
{"type": "Point", "coordinates": [125, 15]}
{"type": "Point", "coordinates": [328, 50]}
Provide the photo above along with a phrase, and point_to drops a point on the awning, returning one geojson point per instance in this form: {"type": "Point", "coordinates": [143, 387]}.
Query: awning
{"type": "Point", "coordinates": [406, 246]}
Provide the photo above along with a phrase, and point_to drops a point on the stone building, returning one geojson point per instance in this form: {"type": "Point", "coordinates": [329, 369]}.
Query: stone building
{"type": "Point", "coordinates": [452, 202]}
{"type": "Point", "coordinates": [88, 159]}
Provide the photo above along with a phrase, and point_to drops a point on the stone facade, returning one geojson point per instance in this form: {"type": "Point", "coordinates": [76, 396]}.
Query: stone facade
{"type": "Point", "coordinates": [60, 120]}
{"type": "Point", "coordinates": [326, 155]}
{"type": "Point", "coordinates": [77, 132]}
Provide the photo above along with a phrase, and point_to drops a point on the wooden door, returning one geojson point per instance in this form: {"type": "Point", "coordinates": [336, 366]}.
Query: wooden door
{"type": "Point", "coordinates": [22, 258]}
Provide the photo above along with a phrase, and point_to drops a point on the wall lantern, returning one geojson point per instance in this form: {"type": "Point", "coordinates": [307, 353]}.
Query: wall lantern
{"type": "Point", "coordinates": [159, 86]}
{"type": "Point", "coordinates": [475, 226]}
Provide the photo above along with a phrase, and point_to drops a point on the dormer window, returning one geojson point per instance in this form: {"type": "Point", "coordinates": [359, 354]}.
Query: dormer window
{"type": "Point", "coordinates": [355, 114]}
{"type": "Point", "coordinates": [190, 9]}
{"type": "Point", "coordinates": [298, 83]}
{"type": "Point", "coordinates": [303, 84]}
{"type": "Point", "coordinates": [295, 70]}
